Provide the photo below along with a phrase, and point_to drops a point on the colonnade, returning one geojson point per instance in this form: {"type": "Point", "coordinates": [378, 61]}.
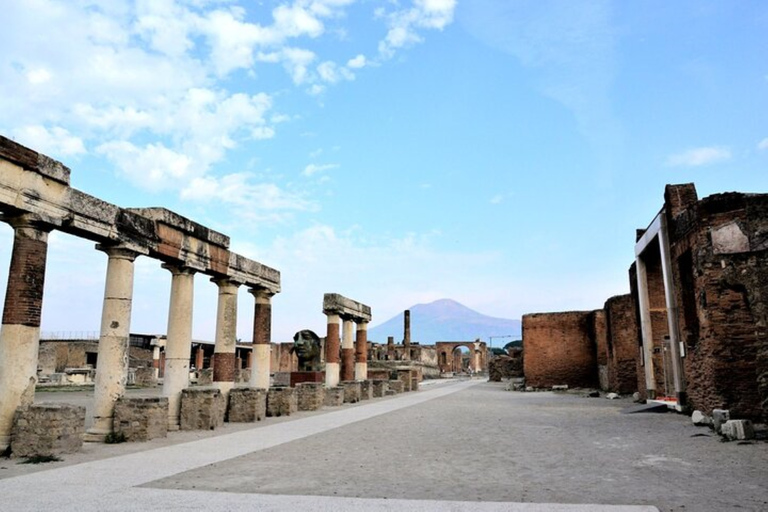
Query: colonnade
{"type": "Point", "coordinates": [346, 348]}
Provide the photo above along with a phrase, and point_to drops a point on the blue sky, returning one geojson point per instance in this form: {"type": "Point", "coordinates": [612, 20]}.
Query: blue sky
{"type": "Point", "coordinates": [497, 152]}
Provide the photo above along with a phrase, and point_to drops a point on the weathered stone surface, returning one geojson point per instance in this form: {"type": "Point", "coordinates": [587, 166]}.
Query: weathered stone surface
{"type": "Point", "coordinates": [404, 375]}
{"type": "Point", "coordinates": [351, 391]}
{"type": "Point", "coordinates": [310, 396]}
{"type": "Point", "coordinates": [719, 417]}
{"type": "Point", "coordinates": [202, 409]}
{"type": "Point", "coordinates": [205, 377]}
{"type": "Point", "coordinates": [612, 396]}
{"type": "Point", "coordinates": [506, 367]}
{"type": "Point", "coordinates": [334, 397]}
{"type": "Point", "coordinates": [380, 387]}
{"type": "Point", "coordinates": [366, 390]}
{"type": "Point", "coordinates": [47, 429]}
{"type": "Point", "coordinates": [396, 385]}
{"type": "Point", "coordinates": [281, 401]}
{"type": "Point", "coordinates": [141, 419]}
{"type": "Point", "coordinates": [247, 405]}
{"type": "Point", "coordinates": [336, 304]}
{"type": "Point", "coordinates": [145, 377]}
{"type": "Point", "coordinates": [738, 430]}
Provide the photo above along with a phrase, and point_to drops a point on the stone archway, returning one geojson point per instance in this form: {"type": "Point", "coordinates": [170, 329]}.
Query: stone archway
{"type": "Point", "coordinates": [447, 360]}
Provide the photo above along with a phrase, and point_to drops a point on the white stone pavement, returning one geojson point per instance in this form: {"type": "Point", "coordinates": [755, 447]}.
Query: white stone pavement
{"type": "Point", "coordinates": [114, 483]}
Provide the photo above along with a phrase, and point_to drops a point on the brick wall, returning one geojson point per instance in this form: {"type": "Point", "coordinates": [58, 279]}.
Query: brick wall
{"type": "Point", "coordinates": [622, 344]}
{"type": "Point", "coordinates": [559, 349]}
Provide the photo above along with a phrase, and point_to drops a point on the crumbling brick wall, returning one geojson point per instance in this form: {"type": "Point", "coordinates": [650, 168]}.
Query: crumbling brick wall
{"type": "Point", "coordinates": [506, 366]}
{"type": "Point", "coordinates": [622, 344]}
{"type": "Point", "coordinates": [599, 333]}
{"type": "Point", "coordinates": [559, 349]}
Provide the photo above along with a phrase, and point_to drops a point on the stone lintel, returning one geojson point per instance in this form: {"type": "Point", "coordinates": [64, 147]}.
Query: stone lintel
{"type": "Point", "coordinates": [33, 161]}
{"type": "Point", "coordinates": [335, 304]}
{"type": "Point", "coordinates": [252, 273]}
{"type": "Point", "coordinates": [183, 224]}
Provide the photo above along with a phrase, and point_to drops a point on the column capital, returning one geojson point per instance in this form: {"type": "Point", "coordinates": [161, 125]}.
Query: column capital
{"type": "Point", "coordinates": [262, 295]}
{"type": "Point", "coordinates": [121, 252]}
{"type": "Point", "coordinates": [179, 269]}
{"type": "Point", "coordinates": [226, 284]}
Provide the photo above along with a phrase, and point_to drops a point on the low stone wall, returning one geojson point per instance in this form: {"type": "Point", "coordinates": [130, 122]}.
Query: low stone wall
{"type": "Point", "coordinates": [281, 401]}
{"type": "Point", "coordinates": [380, 387]}
{"type": "Point", "coordinates": [351, 391]}
{"type": "Point", "coordinates": [310, 396]}
{"type": "Point", "coordinates": [334, 397]}
{"type": "Point", "coordinates": [366, 390]}
{"type": "Point", "coordinates": [202, 409]}
{"type": "Point", "coordinates": [47, 429]}
{"type": "Point", "coordinates": [141, 419]}
{"type": "Point", "coordinates": [247, 405]}
{"type": "Point", "coordinates": [397, 386]}
{"type": "Point", "coordinates": [145, 377]}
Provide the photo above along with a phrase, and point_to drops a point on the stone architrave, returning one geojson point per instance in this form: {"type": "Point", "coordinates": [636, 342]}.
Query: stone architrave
{"type": "Point", "coordinates": [226, 336]}
{"type": "Point", "coordinates": [20, 332]}
{"type": "Point", "coordinates": [347, 351]}
{"type": "Point", "coordinates": [262, 332]}
{"type": "Point", "coordinates": [361, 352]}
{"type": "Point", "coordinates": [112, 369]}
{"type": "Point", "coordinates": [178, 347]}
{"type": "Point", "coordinates": [332, 370]}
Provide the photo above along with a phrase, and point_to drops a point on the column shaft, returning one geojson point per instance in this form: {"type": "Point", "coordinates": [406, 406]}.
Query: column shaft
{"type": "Point", "coordinates": [332, 369]}
{"type": "Point", "coordinates": [646, 327]}
{"type": "Point", "coordinates": [178, 347]}
{"type": "Point", "coordinates": [20, 332]}
{"type": "Point", "coordinates": [262, 333]}
{"type": "Point", "coordinates": [226, 336]}
{"type": "Point", "coordinates": [348, 351]}
{"type": "Point", "coordinates": [112, 359]}
{"type": "Point", "coordinates": [361, 352]}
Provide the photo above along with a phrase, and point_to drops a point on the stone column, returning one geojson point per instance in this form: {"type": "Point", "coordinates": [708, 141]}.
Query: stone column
{"type": "Point", "coordinates": [20, 332]}
{"type": "Point", "coordinates": [178, 347]}
{"type": "Point", "coordinates": [332, 352]}
{"type": "Point", "coordinates": [226, 336]}
{"type": "Point", "coordinates": [407, 335]}
{"type": "Point", "coordinates": [646, 328]}
{"type": "Point", "coordinates": [390, 348]}
{"type": "Point", "coordinates": [348, 351]}
{"type": "Point", "coordinates": [262, 333]}
{"type": "Point", "coordinates": [156, 361]}
{"type": "Point", "coordinates": [361, 352]}
{"type": "Point", "coordinates": [678, 374]}
{"type": "Point", "coordinates": [112, 361]}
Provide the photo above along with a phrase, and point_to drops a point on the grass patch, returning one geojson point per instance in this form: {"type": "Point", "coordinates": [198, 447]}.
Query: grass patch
{"type": "Point", "coordinates": [115, 438]}
{"type": "Point", "coordinates": [40, 459]}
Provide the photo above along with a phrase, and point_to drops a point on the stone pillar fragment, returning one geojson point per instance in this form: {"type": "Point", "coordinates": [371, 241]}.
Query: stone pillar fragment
{"type": "Point", "coordinates": [347, 351]}
{"type": "Point", "coordinates": [20, 332]}
{"type": "Point", "coordinates": [262, 333]}
{"type": "Point", "coordinates": [332, 352]}
{"type": "Point", "coordinates": [407, 335]}
{"type": "Point", "coordinates": [112, 359]}
{"type": "Point", "coordinates": [361, 352]}
{"type": "Point", "coordinates": [226, 336]}
{"type": "Point", "coordinates": [178, 347]}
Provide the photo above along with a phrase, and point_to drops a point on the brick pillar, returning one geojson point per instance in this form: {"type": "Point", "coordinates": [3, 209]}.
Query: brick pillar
{"type": "Point", "coordinates": [199, 357]}
{"type": "Point", "coordinates": [348, 351]}
{"type": "Point", "coordinates": [332, 352]}
{"type": "Point", "coordinates": [262, 333]}
{"type": "Point", "coordinates": [361, 352]}
{"type": "Point", "coordinates": [226, 336]}
{"type": "Point", "coordinates": [112, 360]}
{"type": "Point", "coordinates": [390, 348]}
{"type": "Point", "coordinates": [178, 347]}
{"type": "Point", "coordinates": [20, 332]}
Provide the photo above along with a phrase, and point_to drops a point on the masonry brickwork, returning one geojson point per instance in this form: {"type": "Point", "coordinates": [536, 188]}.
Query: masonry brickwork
{"type": "Point", "coordinates": [247, 405]}
{"type": "Point", "coordinates": [47, 429]}
{"type": "Point", "coordinates": [202, 409]}
{"type": "Point", "coordinates": [622, 346]}
{"type": "Point", "coordinates": [141, 419]}
{"type": "Point", "coordinates": [281, 401]}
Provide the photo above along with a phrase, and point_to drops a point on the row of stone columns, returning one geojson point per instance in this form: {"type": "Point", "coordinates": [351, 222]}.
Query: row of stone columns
{"type": "Point", "coordinates": [20, 332]}
{"type": "Point", "coordinates": [352, 365]}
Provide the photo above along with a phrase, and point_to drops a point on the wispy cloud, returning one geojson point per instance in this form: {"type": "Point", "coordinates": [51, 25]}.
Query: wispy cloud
{"type": "Point", "coordinates": [497, 199]}
{"type": "Point", "coordinates": [763, 144]}
{"type": "Point", "coordinates": [697, 157]}
{"type": "Point", "coordinates": [404, 24]}
{"type": "Point", "coordinates": [313, 169]}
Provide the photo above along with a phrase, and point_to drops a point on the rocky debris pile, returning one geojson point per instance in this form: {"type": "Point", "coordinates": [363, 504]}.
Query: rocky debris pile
{"type": "Point", "coordinates": [506, 367]}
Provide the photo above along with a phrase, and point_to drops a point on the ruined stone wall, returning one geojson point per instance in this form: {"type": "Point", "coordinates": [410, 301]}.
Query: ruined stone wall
{"type": "Point", "coordinates": [622, 344]}
{"type": "Point", "coordinates": [599, 334]}
{"type": "Point", "coordinates": [506, 366]}
{"type": "Point", "coordinates": [639, 368]}
{"type": "Point", "coordinates": [720, 256]}
{"type": "Point", "coordinates": [282, 359]}
{"type": "Point", "coordinates": [559, 349]}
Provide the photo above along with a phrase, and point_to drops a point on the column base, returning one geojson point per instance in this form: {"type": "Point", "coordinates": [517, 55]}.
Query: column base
{"type": "Point", "coordinates": [91, 437]}
{"type": "Point", "coordinates": [332, 375]}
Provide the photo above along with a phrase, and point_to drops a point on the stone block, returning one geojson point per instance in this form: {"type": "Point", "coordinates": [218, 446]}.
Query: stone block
{"type": "Point", "coordinates": [310, 396]}
{"type": "Point", "coordinates": [738, 430]}
{"type": "Point", "coordinates": [351, 391]}
{"type": "Point", "coordinates": [247, 405]}
{"type": "Point", "coordinates": [719, 417]}
{"type": "Point", "coordinates": [205, 377]}
{"type": "Point", "coordinates": [202, 409]}
{"type": "Point", "coordinates": [281, 401]}
{"type": "Point", "coordinates": [145, 377]}
{"type": "Point", "coordinates": [380, 387]}
{"type": "Point", "coordinates": [47, 429]}
{"type": "Point", "coordinates": [366, 390]}
{"type": "Point", "coordinates": [299, 377]}
{"type": "Point", "coordinates": [141, 419]}
{"type": "Point", "coordinates": [396, 385]}
{"type": "Point", "coordinates": [281, 379]}
{"type": "Point", "coordinates": [405, 377]}
{"type": "Point", "coordinates": [334, 397]}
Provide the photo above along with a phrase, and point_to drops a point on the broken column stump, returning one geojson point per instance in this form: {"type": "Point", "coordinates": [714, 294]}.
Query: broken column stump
{"type": "Point", "coordinates": [396, 386]}
{"type": "Point", "coordinates": [310, 396]}
{"type": "Point", "coordinates": [351, 391]}
{"type": "Point", "coordinates": [380, 387]}
{"type": "Point", "coordinates": [202, 409]}
{"type": "Point", "coordinates": [141, 419]}
{"type": "Point", "coordinates": [281, 401]}
{"type": "Point", "coordinates": [47, 429]}
{"type": "Point", "coordinates": [247, 405]}
{"type": "Point", "coordinates": [334, 397]}
{"type": "Point", "coordinates": [366, 390]}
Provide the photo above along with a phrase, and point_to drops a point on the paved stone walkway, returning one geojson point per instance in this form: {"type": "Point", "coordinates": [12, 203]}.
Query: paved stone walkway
{"type": "Point", "coordinates": [453, 446]}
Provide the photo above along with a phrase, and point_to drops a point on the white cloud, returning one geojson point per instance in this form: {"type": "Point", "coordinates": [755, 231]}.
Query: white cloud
{"type": "Point", "coordinates": [699, 156]}
{"type": "Point", "coordinates": [404, 24]}
{"type": "Point", "coordinates": [357, 62]}
{"type": "Point", "coordinates": [332, 73]}
{"type": "Point", "coordinates": [56, 142]}
{"type": "Point", "coordinates": [763, 144]}
{"type": "Point", "coordinates": [152, 167]}
{"type": "Point", "coordinates": [313, 169]}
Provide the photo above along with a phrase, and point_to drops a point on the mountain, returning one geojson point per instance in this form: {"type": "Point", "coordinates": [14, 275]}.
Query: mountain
{"type": "Point", "coordinates": [447, 320]}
